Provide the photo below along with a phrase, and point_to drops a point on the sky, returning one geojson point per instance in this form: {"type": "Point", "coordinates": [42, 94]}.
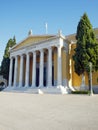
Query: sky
{"type": "Point", "coordinates": [17, 17]}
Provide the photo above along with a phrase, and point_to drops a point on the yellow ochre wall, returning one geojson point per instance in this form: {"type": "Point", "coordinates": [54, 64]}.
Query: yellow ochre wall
{"type": "Point", "coordinates": [76, 80]}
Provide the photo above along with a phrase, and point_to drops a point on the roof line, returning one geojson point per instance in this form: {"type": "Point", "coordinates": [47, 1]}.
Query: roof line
{"type": "Point", "coordinates": [31, 36]}
{"type": "Point", "coordinates": [38, 42]}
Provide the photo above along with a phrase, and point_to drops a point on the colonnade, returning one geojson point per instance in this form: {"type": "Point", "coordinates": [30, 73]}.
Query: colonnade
{"type": "Point", "coordinates": [34, 64]}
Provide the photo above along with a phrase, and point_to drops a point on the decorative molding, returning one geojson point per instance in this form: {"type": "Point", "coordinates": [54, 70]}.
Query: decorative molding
{"type": "Point", "coordinates": [35, 47]}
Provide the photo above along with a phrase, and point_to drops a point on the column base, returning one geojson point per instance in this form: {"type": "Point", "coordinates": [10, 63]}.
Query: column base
{"type": "Point", "coordinates": [20, 86]}
{"type": "Point", "coordinates": [33, 86]}
{"type": "Point", "coordinates": [59, 86]}
{"type": "Point", "coordinates": [26, 86]}
{"type": "Point", "coordinates": [49, 86]}
{"type": "Point", "coordinates": [41, 86]}
{"type": "Point", "coordinates": [9, 86]}
{"type": "Point", "coordinates": [14, 86]}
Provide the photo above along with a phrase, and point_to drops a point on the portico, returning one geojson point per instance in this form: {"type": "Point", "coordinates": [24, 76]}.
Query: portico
{"type": "Point", "coordinates": [40, 63]}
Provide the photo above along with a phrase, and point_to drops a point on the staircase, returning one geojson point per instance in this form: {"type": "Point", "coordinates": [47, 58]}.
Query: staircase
{"type": "Point", "coordinates": [39, 90]}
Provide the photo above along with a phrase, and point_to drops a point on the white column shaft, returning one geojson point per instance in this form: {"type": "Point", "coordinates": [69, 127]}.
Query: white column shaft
{"type": "Point", "coordinates": [34, 70]}
{"type": "Point", "coordinates": [21, 72]}
{"type": "Point", "coordinates": [10, 72]}
{"type": "Point", "coordinates": [15, 71]}
{"type": "Point", "coordinates": [49, 82]}
{"type": "Point", "coordinates": [41, 68]}
{"type": "Point", "coordinates": [59, 68]}
{"type": "Point", "coordinates": [27, 71]}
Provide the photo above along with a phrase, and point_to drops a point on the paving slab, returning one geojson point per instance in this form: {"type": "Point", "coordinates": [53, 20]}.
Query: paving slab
{"type": "Point", "coordinates": [22, 111]}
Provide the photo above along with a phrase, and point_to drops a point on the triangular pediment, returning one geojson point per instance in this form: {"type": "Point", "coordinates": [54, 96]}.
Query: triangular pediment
{"type": "Point", "coordinates": [32, 40]}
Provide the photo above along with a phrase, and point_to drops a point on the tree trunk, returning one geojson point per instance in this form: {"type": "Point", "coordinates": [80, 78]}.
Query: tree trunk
{"type": "Point", "coordinates": [82, 87]}
{"type": "Point", "coordinates": [90, 81]}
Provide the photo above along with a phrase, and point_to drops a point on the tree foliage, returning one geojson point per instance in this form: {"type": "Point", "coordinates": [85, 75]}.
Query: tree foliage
{"type": "Point", "coordinates": [86, 47]}
{"type": "Point", "coordinates": [6, 58]}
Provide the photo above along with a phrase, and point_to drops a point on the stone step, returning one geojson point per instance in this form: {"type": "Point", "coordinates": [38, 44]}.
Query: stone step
{"type": "Point", "coordinates": [37, 90]}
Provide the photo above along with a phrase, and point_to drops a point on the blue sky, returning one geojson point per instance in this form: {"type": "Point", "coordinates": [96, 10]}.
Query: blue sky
{"type": "Point", "coordinates": [17, 17]}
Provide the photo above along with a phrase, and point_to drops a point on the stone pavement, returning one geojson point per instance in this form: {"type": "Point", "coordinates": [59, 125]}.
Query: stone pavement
{"type": "Point", "coordinates": [21, 111]}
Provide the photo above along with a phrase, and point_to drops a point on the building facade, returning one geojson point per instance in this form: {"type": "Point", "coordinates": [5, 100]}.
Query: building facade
{"type": "Point", "coordinates": [44, 61]}
{"type": "Point", "coordinates": [75, 80]}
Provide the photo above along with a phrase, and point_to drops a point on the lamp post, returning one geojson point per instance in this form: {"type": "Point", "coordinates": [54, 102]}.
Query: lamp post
{"type": "Point", "coordinates": [90, 79]}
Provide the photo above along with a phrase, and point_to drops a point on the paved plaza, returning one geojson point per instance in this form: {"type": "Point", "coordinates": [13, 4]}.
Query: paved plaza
{"type": "Point", "coordinates": [21, 111]}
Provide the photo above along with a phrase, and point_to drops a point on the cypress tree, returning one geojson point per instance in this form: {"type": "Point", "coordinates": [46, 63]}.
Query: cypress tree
{"type": "Point", "coordinates": [86, 50]}
{"type": "Point", "coordinates": [6, 58]}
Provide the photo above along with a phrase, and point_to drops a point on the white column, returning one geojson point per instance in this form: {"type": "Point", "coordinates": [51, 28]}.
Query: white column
{"type": "Point", "coordinates": [59, 67]}
{"type": "Point", "coordinates": [27, 70]}
{"type": "Point", "coordinates": [49, 81]}
{"type": "Point", "coordinates": [70, 67]}
{"type": "Point", "coordinates": [47, 71]}
{"type": "Point", "coordinates": [41, 68]}
{"type": "Point", "coordinates": [10, 72]}
{"type": "Point", "coordinates": [34, 70]}
{"type": "Point", "coordinates": [21, 72]}
{"type": "Point", "coordinates": [15, 71]}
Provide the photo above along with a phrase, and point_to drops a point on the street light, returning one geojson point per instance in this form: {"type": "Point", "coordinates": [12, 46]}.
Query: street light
{"type": "Point", "coordinates": [90, 79]}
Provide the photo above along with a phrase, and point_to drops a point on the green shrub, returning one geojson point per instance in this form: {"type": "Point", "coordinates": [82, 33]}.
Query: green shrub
{"type": "Point", "coordinates": [80, 92]}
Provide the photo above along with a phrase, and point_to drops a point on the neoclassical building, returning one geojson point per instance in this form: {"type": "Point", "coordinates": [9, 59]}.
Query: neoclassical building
{"type": "Point", "coordinates": [43, 63]}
